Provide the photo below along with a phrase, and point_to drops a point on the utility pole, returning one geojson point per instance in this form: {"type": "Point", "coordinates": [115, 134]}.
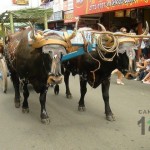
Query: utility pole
{"type": "Point", "coordinates": [11, 22]}
{"type": "Point", "coordinates": [45, 21]}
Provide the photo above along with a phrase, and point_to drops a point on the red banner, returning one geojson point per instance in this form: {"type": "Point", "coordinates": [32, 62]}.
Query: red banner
{"type": "Point", "coordinates": [82, 7]}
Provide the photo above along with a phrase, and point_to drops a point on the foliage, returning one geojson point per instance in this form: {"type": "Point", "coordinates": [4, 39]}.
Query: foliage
{"type": "Point", "coordinates": [24, 15]}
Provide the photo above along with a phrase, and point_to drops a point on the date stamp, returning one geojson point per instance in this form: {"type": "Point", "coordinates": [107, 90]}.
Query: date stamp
{"type": "Point", "coordinates": [144, 121]}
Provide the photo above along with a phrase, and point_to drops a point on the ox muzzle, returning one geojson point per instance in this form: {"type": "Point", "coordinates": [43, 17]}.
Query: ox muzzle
{"type": "Point", "coordinates": [52, 80]}
{"type": "Point", "coordinates": [55, 52]}
{"type": "Point", "coordinates": [55, 76]}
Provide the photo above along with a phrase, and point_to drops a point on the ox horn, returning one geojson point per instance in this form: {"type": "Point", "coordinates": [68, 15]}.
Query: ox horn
{"type": "Point", "coordinates": [102, 27]}
{"type": "Point", "coordinates": [146, 30]}
{"type": "Point", "coordinates": [107, 37]}
{"type": "Point", "coordinates": [75, 30]}
{"type": "Point", "coordinates": [32, 34]}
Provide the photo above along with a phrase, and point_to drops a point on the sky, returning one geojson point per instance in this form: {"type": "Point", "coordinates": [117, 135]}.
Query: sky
{"type": "Point", "coordinates": [5, 5]}
{"type": "Point", "coordinates": [8, 5]}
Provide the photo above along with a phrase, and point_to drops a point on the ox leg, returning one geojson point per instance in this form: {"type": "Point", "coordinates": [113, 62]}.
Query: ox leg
{"type": "Point", "coordinates": [66, 80]}
{"type": "Point", "coordinates": [44, 116]}
{"type": "Point", "coordinates": [83, 90]}
{"type": "Point", "coordinates": [25, 107]}
{"type": "Point", "coordinates": [56, 89]}
{"type": "Point", "coordinates": [105, 94]}
{"type": "Point", "coordinates": [15, 80]}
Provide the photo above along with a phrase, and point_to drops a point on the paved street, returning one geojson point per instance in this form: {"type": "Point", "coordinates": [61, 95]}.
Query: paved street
{"type": "Point", "coordinates": [73, 130]}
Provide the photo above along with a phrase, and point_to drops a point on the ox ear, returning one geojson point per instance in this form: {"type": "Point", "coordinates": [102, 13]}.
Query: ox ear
{"type": "Point", "coordinates": [102, 27]}
{"type": "Point", "coordinates": [32, 32]}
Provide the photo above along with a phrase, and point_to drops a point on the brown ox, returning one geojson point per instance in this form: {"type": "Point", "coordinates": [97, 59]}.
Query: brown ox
{"type": "Point", "coordinates": [37, 63]}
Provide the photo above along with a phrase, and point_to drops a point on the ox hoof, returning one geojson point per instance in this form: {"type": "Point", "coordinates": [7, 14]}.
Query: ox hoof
{"type": "Point", "coordinates": [56, 92]}
{"type": "Point", "coordinates": [45, 121]}
{"type": "Point", "coordinates": [69, 96]}
{"type": "Point", "coordinates": [81, 108]}
{"type": "Point", "coordinates": [5, 91]}
{"type": "Point", "coordinates": [25, 110]}
{"type": "Point", "coordinates": [110, 117]}
{"type": "Point", "coordinates": [17, 104]}
{"type": "Point", "coordinates": [56, 89]}
{"type": "Point", "coordinates": [44, 118]}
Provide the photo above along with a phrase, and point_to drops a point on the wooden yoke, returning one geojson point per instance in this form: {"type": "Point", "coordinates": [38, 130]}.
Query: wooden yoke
{"type": "Point", "coordinates": [40, 41]}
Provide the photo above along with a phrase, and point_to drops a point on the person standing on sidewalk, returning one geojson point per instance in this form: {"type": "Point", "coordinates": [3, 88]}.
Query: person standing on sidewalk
{"type": "Point", "coordinates": [119, 74]}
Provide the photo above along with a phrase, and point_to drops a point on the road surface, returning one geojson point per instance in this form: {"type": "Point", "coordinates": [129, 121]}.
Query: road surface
{"type": "Point", "coordinates": [73, 130]}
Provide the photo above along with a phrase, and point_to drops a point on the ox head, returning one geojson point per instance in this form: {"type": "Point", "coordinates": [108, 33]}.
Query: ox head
{"type": "Point", "coordinates": [50, 46]}
{"type": "Point", "coordinates": [121, 45]}
{"type": "Point", "coordinates": [127, 44]}
{"type": "Point", "coordinates": [55, 52]}
{"type": "Point", "coordinates": [125, 56]}
{"type": "Point", "coordinates": [55, 46]}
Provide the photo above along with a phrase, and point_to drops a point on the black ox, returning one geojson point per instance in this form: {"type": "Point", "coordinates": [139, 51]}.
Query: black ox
{"type": "Point", "coordinates": [95, 68]}
{"type": "Point", "coordinates": [35, 59]}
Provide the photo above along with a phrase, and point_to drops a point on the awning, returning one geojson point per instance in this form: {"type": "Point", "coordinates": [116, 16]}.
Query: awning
{"type": "Point", "coordinates": [84, 7]}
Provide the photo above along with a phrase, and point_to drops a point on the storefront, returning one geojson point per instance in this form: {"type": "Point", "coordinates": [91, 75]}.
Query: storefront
{"type": "Point", "coordinates": [69, 18]}
{"type": "Point", "coordinates": [114, 14]}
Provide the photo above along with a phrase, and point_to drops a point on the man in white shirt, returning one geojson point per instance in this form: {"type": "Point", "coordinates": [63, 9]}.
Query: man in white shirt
{"type": "Point", "coordinates": [145, 44]}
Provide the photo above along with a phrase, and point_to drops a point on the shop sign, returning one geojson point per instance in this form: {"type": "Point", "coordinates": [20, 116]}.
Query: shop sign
{"type": "Point", "coordinates": [128, 12]}
{"type": "Point", "coordinates": [58, 15]}
{"type": "Point", "coordinates": [119, 13]}
{"type": "Point", "coordinates": [68, 5]}
{"type": "Point", "coordinates": [82, 7]}
{"type": "Point", "coordinates": [20, 2]}
{"type": "Point", "coordinates": [58, 5]}
{"type": "Point", "coordinates": [69, 16]}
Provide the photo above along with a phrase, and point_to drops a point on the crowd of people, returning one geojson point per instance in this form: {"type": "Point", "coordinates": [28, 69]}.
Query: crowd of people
{"type": "Point", "coordinates": [142, 66]}
{"type": "Point", "coordinates": [143, 70]}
